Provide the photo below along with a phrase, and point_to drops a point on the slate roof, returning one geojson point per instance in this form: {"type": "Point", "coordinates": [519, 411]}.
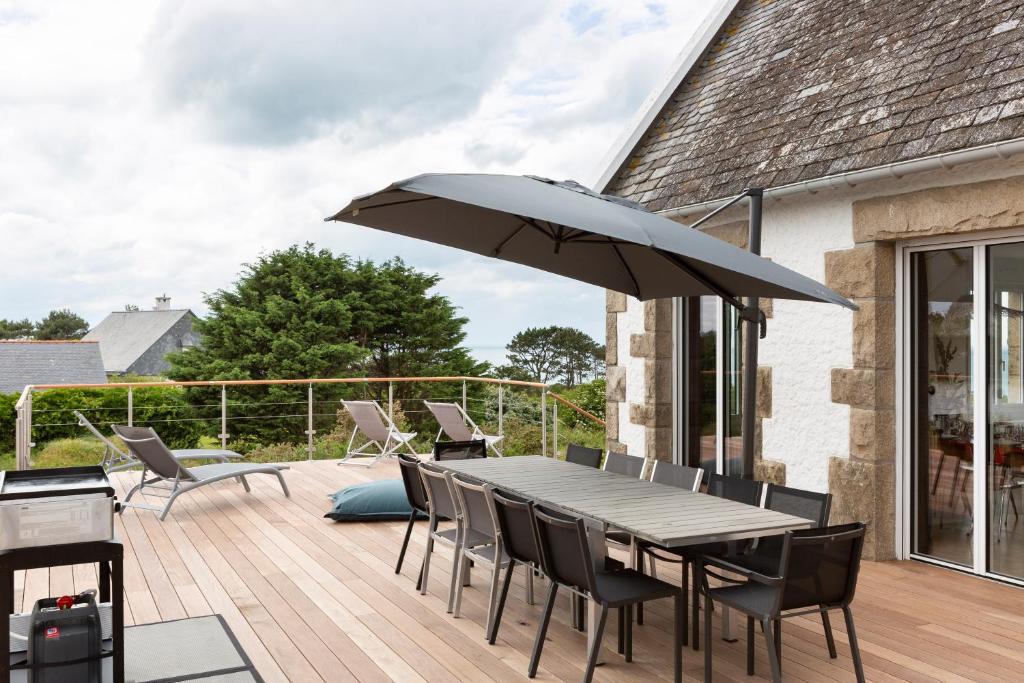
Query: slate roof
{"type": "Point", "coordinates": [125, 335]}
{"type": "Point", "coordinates": [49, 362]}
{"type": "Point", "coordinates": [794, 90]}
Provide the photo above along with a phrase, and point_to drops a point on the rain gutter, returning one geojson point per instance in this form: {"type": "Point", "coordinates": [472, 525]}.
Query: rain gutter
{"type": "Point", "coordinates": [894, 171]}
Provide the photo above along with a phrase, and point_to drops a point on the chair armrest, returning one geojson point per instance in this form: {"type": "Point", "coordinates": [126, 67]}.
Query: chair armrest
{"type": "Point", "coordinates": [746, 573]}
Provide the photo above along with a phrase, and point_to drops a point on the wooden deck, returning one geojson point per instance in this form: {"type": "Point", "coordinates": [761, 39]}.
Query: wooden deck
{"type": "Point", "coordinates": [312, 600]}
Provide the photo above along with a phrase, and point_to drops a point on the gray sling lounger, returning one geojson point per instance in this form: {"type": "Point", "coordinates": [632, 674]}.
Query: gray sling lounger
{"type": "Point", "coordinates": [172, 477]}
{"type": "Point", "coordinates": [116, 460]}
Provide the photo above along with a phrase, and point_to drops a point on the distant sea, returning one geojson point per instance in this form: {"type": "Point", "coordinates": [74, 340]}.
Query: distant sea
{"type": "Point", "coordinates": [495, 355]}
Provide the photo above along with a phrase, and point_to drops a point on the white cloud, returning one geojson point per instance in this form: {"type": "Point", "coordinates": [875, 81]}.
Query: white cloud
{"type": "Point", "coordinates": [153, 148]}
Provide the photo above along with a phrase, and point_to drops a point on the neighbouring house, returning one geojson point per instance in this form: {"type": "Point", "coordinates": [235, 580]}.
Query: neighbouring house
{"type": "Point", "coordinates": [137, 342]}
{"type": "Point", "coordinates": [888, 138]}
{"type": "Point", "coordinates": [24, 362]}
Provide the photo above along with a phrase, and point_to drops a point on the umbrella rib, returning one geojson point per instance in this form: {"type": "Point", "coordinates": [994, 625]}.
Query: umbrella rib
{"type": "Point", "coordinates": [501, 245]}
{"type": "Point", "coordinates": [629, 271]}
{"type": "Point", "coordinates": [397, 203]}
{"type": "Point", "coordinates": [701, 278]}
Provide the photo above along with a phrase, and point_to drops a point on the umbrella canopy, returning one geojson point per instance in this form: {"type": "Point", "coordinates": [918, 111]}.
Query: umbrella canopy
{"type": "Point", "coordinates": [567, 229]}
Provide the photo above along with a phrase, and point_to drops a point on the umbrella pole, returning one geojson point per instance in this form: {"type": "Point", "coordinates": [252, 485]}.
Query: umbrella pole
{"type": "Point", "coordinates": [750, 340]}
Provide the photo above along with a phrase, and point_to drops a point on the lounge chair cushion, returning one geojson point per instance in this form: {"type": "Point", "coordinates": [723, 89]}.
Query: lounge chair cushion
{"type": "Point", "coordinates": [375, 500]}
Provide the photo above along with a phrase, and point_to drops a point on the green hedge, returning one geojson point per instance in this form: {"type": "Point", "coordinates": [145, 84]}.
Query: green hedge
{"type": "Point", "coordinates": [163, 408]}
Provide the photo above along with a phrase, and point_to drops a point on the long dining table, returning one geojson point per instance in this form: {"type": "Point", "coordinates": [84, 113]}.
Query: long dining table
{"type": "Point", "coordinates": [664, 515]}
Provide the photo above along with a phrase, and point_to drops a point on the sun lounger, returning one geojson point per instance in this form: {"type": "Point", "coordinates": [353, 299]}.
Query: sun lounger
{"type": "Point", "coordinates": [459, 426]}
{"type": "Point", "coordinates": [384, 438]}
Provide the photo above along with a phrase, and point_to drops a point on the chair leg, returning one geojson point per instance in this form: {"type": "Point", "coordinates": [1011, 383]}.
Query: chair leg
{"type": "Point", "coordinates": [529, 585]}
{"type": "Point", "coordinates": [750, 646]}
{"type": "Point", "coordinates": [425, 574]}
{"type": "Point", "coordinates": [707, 635]}
{"type": "Point", "coordinates": [419, 579]}
{"type": "Point", "coordinates": [492, 598]}
{"type": "Point", "coordinates": [629, 633]}
{"type": "Point", "coordinates": [542, 630]}
{"type": "Point", "coordinates": [621, 648]}
{"type": "Point", "coordinates": [493, 633]}
{"type": "Point", "coordinates": [829, 640]}
{"type": "Point", "coordinates": [245, 484]}
{"type": "Point", "coordinates": [595, 645]}
{"type": "Point", "coordinates": [679, 613]}
{"type": "Point", "coordinates": [685, 588]}
{"type": "Point", "coordinates": [773, 655]}
{"type": "Point", "coordinates": [851, 633]}
{"type": "Point", "coordinates": [405, 543]}
{"type": "Point", "coordinates": [458, 566]}
{"type": "Point", "coordinates": [640, 568]}
{"type": "Point", "coordinates": [456, 605]}
{"type": "Point", "coordinates": [284, 484]}
{"type": "Point", "coordinates": [778, 642]}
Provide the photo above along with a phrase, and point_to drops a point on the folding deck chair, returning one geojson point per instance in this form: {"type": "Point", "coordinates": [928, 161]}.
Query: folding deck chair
{"type": "Point", "coordinates": [381, 432]}
{"type": "Point", "coordinates": [459, 426]}
{"type": "Point", "coordinates": [169, 475]}
{"type": "Point", "coordinates": [116, 460]}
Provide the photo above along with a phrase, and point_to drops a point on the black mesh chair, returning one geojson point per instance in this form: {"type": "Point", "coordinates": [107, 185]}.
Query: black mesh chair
{"type": "Point", "coordinates": [567, 561]}
{"type": "Point", "coordinates": [519, 543]}
{"type": "Point", "coordinates": [620, 463]}
{"type": "Point", "coordinates": [679, 476]}
{"type": "Point", "coordinates": [410, 469]}
{"type": "Point", "coordinates": [460, 450]}
{"type": "Point", "coordinates": [731, 488]}
{"type": "Point", "coordinates": [817, 572]}
{"type": "Point", "coordinates": [763, 555]}
{"type": "Point", "coordinates": [582, 455]}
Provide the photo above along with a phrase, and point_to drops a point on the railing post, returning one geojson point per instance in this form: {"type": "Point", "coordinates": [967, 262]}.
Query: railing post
{"type": "Point", "coordinates": [464, 396]}
{"type": "Point", "coordinates": [391, 402]}
{"type": "Point", "coordinates": [23, 430]}
{"type": "Point", "coordinates": [544, 421]}
{"type": "Point", "coordinates": [554, 430]}
{"type": "Point", "coordinates": [131, 408]}
{"type": "Point", "coordinates": [223, 416]}
{"type": "Point", "coordinates": [501, 410]}
{"type": "Point", "coordinates": [309, 423]}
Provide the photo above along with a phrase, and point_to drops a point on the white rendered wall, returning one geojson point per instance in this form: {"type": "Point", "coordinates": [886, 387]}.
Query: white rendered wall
{"type": "Point", "coordinates": [805, 341]}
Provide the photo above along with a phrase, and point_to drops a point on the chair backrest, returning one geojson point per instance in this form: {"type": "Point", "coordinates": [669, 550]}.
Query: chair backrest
{"type": "Point", "coordinates": [820, 566]}
{"type": "Point", "coordinates": [146, 446]}
{"type": "Point", "coordinates": [799, 503]}
{"type": "Point", "coordinates": [476, 511]}
{"type": "Point", "coordinates": [736, 489]}
{"type": "Point", "coordinates": [582, 455]}
{"type": "Point", "coordinates": [439, 492]}
{"type": "Point", "coordinates": [83, 422]}
{"type": "Point", "coordinates": [414, 491]}
{"type": "Point", "coordinates": [515, 521]}
{"type": "Point", "coordinates": [369, 418]}
{"type": "Point", "coordinates": [564, 549]}
{"type": "Point", "coordinates": [620, 463]}
{"type": "Point", "coordinates": [679, 476]}
{"type": "Point", "coordinates": [449, 416]}
{"type": "Point", "coordinates": [460, 450]}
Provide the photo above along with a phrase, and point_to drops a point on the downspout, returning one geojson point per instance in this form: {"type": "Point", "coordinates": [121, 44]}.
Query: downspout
{"type": "Point", "coordinates": [896, 170]}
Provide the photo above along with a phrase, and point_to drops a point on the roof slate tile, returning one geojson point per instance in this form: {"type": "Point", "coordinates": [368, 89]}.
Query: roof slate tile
{"type": "Point", "coordinates": [794, 88]}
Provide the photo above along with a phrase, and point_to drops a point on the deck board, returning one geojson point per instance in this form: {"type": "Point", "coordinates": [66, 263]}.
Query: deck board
{"type": "Point", "coordinates": [311, 600]}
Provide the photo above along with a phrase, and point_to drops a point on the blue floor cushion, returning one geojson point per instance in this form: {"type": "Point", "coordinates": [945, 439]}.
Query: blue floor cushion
{"type": "Point", "coordinates": [375, 500]}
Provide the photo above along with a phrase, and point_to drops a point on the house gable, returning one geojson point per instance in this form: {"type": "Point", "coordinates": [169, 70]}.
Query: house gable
{"type": "Point", "coordinates": [137, 341]}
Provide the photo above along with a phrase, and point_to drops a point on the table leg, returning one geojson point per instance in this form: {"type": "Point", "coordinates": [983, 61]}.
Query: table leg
{"type": "Point", "coordinates": [727, 634]}
{"type": "Point", "coordinates": [6, 608]}
{"type": "Point", "coordinates": [104, 582]}
{"type": "Point", "coordinates": [117, 579]}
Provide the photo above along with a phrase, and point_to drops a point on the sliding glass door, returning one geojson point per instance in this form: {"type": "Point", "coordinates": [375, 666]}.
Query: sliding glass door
{"type": "Point", "coordinates": [965, 414]}
{"type": "Point", "coordinates": [711, 414]}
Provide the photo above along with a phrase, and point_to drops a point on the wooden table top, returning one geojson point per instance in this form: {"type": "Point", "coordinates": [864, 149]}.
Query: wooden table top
{"type": "Point", "coordinates": [652, 512]}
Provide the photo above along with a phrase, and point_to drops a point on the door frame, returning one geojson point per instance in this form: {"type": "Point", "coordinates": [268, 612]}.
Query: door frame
{"type": "Point", "coordinates": [904, 394]}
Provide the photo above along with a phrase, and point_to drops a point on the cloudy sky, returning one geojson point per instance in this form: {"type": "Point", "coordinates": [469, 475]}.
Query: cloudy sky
{"type": "Point", "coordinates": [153, 147]}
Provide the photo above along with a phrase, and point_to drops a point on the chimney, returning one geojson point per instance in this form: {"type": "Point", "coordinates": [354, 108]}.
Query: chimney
{"type": "Point", "coordinates": [163, 303]}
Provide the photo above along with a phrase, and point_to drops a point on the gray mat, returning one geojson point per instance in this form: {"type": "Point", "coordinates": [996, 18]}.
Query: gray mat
{"type": "Point", "coordinates": [197, 649]}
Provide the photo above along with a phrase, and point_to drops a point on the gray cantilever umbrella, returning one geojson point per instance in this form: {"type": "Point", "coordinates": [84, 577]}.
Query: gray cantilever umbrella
{"type": "Point", "coordinates": [564, 228]}
{"type": "Point", "coordinates": [567, 229]}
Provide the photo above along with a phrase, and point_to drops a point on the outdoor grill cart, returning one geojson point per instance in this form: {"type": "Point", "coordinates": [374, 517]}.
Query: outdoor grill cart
{"type": "Point", "coordinates": [60, 517]}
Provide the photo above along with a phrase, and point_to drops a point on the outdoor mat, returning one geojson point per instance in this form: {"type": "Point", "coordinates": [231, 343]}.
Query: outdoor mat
{"type": "Point", "coordinates": [197, 649]}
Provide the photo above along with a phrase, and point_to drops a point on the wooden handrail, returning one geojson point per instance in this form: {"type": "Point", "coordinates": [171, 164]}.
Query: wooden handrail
{"type": "Point", "coordinates": [258, 382]}
{"type": "Point", "coordinates": [570, 404]}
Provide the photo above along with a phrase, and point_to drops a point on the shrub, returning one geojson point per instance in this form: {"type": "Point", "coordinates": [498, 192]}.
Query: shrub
{"type": "Point", "coordinates": [69, 453]}
{"type": "Point", "coordinates": [590, 397]}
